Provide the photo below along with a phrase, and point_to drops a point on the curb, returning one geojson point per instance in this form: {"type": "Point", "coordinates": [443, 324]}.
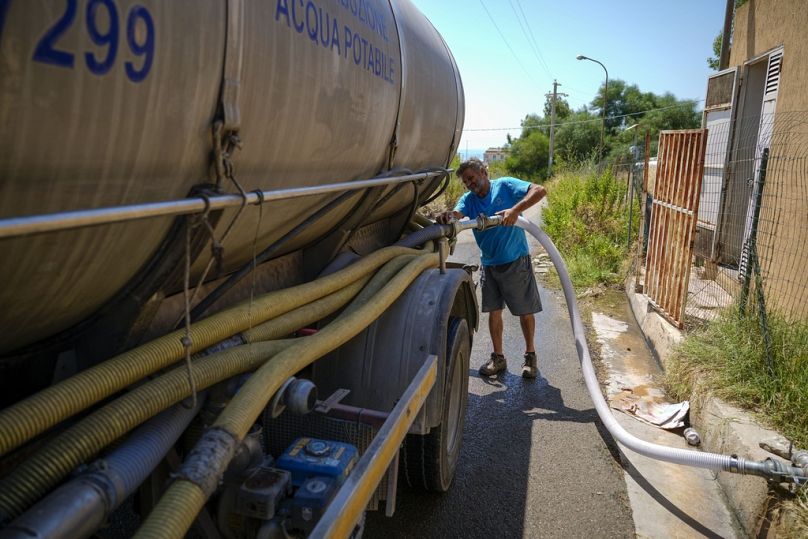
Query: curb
{"type": "Point", "coordinates": [724, 428]}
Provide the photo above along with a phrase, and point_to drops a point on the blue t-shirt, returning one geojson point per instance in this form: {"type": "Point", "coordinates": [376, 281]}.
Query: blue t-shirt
{"type": "Point", "coordinates": [501, 244]}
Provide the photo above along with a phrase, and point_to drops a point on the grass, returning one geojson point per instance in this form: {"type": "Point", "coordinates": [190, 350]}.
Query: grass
{"type": "Point", "coordinates": [801, 517]}
{"type": "Point", "coordinates": [587, 220]}
{"type": "Point", "coordinates": [727, 358]}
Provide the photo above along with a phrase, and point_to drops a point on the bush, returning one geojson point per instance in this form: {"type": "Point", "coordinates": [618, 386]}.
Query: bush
{"type": "Point", "coordinates": [587, 218]}
{"type": "Point", "coordinates": [728, 358]}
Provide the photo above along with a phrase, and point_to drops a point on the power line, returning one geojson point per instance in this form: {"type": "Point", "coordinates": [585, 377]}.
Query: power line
{"type": "Point", "coordinates": [527, 37]}
{"type": "Point", "coordinates": [506, 41]}
{"type": "Point", "coordinates": [532, 39]}
{"type": "Point", "coordinates": [690, 103]}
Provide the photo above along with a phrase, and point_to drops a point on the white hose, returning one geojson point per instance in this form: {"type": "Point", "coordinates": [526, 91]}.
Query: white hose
{"type": "Point", "coordinates": [699, 459]}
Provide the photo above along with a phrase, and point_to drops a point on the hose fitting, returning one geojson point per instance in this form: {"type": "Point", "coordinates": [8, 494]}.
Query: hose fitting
{"type": "Point", "coordinates": [482, 222]}
{"type": "Point", "coordinates": [774, 470]}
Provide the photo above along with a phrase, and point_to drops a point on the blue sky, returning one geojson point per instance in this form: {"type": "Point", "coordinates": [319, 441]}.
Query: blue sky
{"type": "Point", "coordinates": [661, 46]}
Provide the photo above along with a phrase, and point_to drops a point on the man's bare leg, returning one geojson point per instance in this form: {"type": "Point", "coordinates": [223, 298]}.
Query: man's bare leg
{"type": "Point", "coordinates": [495, 329]}
{"type": "Point", "coordinates": [528, 323]}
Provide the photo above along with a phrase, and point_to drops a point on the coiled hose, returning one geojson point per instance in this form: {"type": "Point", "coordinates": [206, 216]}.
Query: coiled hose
{"type": "Point", "coordinates": [37, 413]}
{"type": "Point", "coordinates": [37, 475]}
{"type": "Point", "coordinates": [79, 507]}
{"type": "Point", "coordinates": [179, 506]}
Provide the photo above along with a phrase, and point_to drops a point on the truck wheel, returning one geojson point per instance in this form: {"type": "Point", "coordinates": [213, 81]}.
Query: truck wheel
{"type": "Point", "coordinates": [431, 459]}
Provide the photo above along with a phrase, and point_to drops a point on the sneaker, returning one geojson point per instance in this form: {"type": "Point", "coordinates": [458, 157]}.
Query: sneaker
{"type": "Point", "coordinates": [529, 369]}
{"type": "Point", "coordinates": [494, 365]}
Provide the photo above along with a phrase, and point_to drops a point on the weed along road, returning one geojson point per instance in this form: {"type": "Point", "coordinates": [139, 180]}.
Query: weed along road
{"type": "Point", "coordinates": [535, 461]}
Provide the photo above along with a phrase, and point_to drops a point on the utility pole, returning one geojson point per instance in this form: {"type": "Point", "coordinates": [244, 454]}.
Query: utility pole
{"type": "Point", "coordinates": [554, 96]}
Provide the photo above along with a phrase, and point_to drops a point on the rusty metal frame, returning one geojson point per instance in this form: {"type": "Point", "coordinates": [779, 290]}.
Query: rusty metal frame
{"type": "Point", "coordinates": [677, 189]}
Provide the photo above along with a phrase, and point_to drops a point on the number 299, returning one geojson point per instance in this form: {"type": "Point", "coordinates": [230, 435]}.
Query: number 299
{"type": "Point", "coordinates": [100, 62]}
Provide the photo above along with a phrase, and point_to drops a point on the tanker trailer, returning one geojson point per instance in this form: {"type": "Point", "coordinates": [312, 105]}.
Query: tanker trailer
{"type": "Point", "coordinates": [213, 269]}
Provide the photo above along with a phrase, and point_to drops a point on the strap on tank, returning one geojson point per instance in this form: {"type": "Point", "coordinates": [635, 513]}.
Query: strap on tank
{"type": "Point", "coordinates": [233, 60]}
{"type": "Point", "coordinates": [391, 155]}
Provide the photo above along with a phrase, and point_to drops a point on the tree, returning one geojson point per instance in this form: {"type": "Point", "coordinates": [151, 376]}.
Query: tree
{"type": "Point", "coordinates": [529, 153]}
{"type": "Point", "coordinates": [577, 134]}
{"type": "Point", "coordinates": [563, 109]}
{"type": "Point", "coordinates": [712, 62]}
{"type": "Point", "coordinates": [534, 122]}
{"type": "Point", "coordinates": [578, 137]}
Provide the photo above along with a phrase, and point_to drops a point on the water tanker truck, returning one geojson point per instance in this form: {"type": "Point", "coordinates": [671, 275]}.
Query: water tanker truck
{"type": "Point", "coordinates": [220, 307]}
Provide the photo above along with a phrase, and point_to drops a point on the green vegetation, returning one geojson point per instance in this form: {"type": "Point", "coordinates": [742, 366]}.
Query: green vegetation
{"type": "Point", "coordinates": [578, 133]}
{"type": "Point", "coordinates": [727, 359]}
{"type": "Point", "coordinates": [713, 61]}
{"type": "Point", "coordinates": [587, 220]}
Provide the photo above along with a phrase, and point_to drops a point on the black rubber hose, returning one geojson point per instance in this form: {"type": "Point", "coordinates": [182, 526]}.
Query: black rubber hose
{"type": "Point", "coordinates": [447, 178]}
{"type": "Point", "coordinates": [424, 235]}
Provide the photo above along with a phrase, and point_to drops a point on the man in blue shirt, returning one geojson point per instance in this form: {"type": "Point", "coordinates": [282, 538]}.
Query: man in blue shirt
{"type": "Point", "coordinates": [507, 274]}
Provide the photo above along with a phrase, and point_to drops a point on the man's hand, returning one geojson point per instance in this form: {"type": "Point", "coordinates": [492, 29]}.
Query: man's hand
{"type": "Point", "coordinates": [447, 217]}
{"type": "Point", "coordinates": [509, 216]}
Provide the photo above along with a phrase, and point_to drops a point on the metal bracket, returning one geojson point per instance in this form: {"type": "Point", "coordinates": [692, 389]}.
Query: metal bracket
{"type": "Point", "coordinates": [326, 405]}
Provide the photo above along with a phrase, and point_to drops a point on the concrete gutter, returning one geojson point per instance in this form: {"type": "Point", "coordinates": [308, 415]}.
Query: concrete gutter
{"type": "Point", "coordinates": [723, 429]}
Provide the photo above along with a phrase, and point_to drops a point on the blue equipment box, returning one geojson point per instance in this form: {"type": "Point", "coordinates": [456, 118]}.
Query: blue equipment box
{"type": "Point", "coordinates": [311, 500]}
{"type": "Point", "coordinates": [309, 457]}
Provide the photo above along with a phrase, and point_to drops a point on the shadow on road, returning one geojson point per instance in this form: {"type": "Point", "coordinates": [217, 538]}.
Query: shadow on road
{"type": "Point", "coordinates": [508, 462]}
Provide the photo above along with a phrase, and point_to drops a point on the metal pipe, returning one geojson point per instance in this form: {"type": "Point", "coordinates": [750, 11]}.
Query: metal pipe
{"type": "Point", "coordinates": [81, 506]}
{"type": "Point", "coordinates": [38, 224]}
{"type": "Point", "coordinates": [367, 416]}
{"type": "Point", "coordinates": [726, 35]}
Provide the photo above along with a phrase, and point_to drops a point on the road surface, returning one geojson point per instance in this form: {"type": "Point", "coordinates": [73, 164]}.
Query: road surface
{"type": "Point", "coordinates": [536, 461]}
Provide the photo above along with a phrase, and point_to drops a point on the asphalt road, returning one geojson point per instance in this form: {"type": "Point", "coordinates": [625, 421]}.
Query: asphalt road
{"type": "Point", "coordinates": [536, 462]}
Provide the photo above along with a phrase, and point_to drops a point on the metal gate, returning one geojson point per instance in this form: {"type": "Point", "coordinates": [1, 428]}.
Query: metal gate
{"type": "Point", "coordinates": [675, 208]}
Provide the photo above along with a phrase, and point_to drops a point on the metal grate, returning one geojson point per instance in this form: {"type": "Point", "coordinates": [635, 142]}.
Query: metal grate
{"type": "Point", "coordinates": [680, 167]}
{"type": "Point", "coordinates": [720, 90]}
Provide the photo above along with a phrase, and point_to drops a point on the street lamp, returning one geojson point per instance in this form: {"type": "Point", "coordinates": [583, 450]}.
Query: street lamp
{"type": "Point", "coordinates": [605, 98]}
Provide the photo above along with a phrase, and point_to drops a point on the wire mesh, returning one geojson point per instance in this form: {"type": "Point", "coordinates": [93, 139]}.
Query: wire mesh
{"type": "Point", "coordinates": [736, 183]}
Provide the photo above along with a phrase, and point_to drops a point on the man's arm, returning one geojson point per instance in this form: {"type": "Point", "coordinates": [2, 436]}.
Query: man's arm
{"type": "Point", "coordinates": [534, 194]}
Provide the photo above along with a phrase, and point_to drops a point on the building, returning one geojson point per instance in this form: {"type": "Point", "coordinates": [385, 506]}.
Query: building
{"type": "Point", "coordinates": [493, 155]}
{"type": "Point", "coordinates": [754, 196]}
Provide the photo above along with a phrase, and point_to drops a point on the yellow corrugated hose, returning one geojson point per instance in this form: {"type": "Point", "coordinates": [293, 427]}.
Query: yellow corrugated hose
{"type": "Point", "coordinates": [34, 415]}
{"type": "Point", "coordinates": [179, 506]}
{"type": "Point", "coordinates": [307, 314]}
{"type": "Point", "coordinates": [35, 476]}
{"type": "Point", "coordinates": [317, 310]}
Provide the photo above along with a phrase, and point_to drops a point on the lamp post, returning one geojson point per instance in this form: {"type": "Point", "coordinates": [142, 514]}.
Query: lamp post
{"type": "Point", "coordinates": [605, 98]}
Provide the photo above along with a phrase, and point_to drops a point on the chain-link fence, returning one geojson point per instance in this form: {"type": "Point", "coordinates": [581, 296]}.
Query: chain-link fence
{"type": "Point", "coordinates": [751, 243]}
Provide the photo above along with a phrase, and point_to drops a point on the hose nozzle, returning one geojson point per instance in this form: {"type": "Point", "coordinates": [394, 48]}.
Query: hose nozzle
{"type": "Point", "coordinates": [482, 222]}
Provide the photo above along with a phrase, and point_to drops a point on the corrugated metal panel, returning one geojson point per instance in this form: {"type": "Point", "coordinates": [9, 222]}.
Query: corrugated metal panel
{"type": "Point", "coordinates": [680, 170]}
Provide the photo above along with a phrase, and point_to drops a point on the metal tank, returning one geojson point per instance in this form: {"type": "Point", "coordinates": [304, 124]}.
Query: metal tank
{"type": "Point", "coordinates": [113, 102]}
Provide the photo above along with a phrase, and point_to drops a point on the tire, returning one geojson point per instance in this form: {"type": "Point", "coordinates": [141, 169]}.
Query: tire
{"type": "Point", "coordinates": [431, 459]}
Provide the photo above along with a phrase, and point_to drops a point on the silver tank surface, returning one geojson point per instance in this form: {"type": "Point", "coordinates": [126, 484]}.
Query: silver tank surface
{"type": "Point", "coordinates": [111, 102]}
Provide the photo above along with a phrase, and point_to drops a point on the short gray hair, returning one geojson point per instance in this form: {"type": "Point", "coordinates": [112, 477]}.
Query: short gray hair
{"type": "Point", "coordinates": [473, 163]}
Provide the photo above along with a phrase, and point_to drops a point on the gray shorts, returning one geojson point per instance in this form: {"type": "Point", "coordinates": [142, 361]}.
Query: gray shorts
{"type": "Point", "coordinates": [512, 284]}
